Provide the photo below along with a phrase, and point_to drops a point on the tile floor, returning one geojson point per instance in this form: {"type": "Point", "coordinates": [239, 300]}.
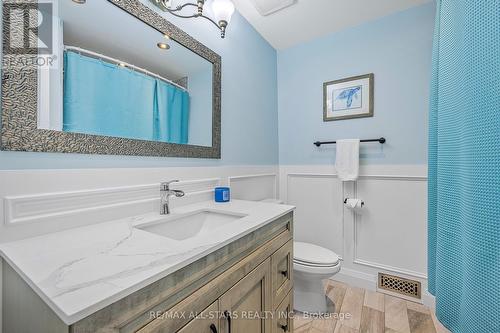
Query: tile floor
{"type": "Point", "coordinates": [370, 312]}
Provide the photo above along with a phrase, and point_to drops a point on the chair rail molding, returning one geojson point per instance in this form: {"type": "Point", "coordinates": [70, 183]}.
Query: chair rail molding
{"type": "Point", "coordinates": [33, 207]}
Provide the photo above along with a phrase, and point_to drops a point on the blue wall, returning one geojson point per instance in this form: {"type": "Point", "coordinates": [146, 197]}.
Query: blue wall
{"type": "Point", "coordinates": [249, 103]}
{"type": "Point", "coordinates": [397, 49]}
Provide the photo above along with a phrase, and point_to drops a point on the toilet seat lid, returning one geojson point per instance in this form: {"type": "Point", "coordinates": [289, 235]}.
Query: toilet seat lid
{"type": "Point", "coordinates": [314, 254]}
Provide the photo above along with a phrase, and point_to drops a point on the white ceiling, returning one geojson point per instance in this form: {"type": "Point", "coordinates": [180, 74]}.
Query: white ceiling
{"type": "Point", "coordinates": [308, 19]}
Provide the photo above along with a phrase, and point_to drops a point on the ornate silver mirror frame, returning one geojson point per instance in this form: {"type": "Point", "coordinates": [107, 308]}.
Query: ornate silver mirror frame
{"type": "Point", "coordinates": [19, 105]}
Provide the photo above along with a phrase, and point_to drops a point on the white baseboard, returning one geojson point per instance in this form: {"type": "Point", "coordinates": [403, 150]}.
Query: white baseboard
{"type": "Point", "coordinates": [369, 282]}
{"type": "Point", "coordinates": [356, 279]}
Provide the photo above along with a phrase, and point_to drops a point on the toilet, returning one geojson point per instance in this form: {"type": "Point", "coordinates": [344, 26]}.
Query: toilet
{"type": "Point", "coordinates": [311, 265]}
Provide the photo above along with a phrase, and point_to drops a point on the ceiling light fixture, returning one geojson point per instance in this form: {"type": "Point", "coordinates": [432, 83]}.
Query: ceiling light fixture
{"type": "Point", "coordinates": [80, 2]}
{"type": "Point", "coordinates": [222, 9]}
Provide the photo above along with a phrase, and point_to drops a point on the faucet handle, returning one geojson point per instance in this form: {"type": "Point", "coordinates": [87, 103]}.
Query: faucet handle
{"type": "Point", "coordinates": [165, 186]}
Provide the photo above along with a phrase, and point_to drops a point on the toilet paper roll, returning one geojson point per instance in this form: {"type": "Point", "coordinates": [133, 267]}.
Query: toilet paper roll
{"type": "Point", "coordinates": [354, 203]}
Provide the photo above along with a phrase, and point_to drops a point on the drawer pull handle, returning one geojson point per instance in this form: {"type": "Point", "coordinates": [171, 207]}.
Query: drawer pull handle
{"type": "Point", "coordinates": [284, 328]}
{"type": "Point", "coordinates": [284, 273]}
{"type": "Point", "coordinates": [227, 315]}
{"type": "Point", "coordinates": [213, 328]}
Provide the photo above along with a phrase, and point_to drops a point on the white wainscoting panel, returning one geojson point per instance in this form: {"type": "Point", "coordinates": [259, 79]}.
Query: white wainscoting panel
{"type": "Point", "coordinates": [389, 234]}
{"type": "Point", "coordinates": [254, 187]}
{"type": "Point", "coordinates": [318, 216]}
{"type": "Point", "coordinates": [391, 230]}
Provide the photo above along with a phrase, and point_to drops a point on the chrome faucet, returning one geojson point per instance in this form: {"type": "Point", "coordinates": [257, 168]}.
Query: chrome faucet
{"type": "Point", "coordinates": [166, 193]}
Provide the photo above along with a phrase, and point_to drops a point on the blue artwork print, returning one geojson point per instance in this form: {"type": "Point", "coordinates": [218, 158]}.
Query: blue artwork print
{"type": "Point", "coordinates": [347, 98]}
{"type": "Point", "coordinates": [349, 94]}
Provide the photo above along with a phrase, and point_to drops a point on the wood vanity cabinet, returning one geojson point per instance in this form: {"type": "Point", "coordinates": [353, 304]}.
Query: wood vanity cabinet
{"type": "Point", "coordinates": [244, 287]}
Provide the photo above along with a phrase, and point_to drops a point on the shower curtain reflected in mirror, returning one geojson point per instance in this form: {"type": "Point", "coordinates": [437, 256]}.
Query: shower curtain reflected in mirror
{"type": "Point", "coordinates": [101, 98]}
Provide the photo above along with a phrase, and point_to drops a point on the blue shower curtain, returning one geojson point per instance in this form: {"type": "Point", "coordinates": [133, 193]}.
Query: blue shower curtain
{"type": "Point", "coordinates": [464, 166]}
{"type": "Point", "coordinates": [105, 99]}
{"type": "Point", "coordinates": [171, 126]}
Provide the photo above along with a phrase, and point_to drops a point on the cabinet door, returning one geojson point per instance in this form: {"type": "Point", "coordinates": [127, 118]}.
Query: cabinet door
{"type": "Point", "coordinates": [207, 322]}
{"type": "Point", "coordinates": [247, 306]}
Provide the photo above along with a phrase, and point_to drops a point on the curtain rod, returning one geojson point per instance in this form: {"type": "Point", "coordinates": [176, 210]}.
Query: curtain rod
{"type": "Point", "coordinates": [118, 62]}
{"type": "Point", "coordinates": [319, 143]}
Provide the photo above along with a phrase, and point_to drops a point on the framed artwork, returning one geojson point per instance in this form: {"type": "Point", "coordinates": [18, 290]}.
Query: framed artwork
{"type": "Point", "coordinates": [348, 98]}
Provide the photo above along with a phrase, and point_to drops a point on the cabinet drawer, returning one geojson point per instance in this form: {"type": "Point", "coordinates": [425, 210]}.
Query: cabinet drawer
{"type": "Point", "coordinates": [207, 322]}
{"type": "Point", "coordinates": [283, 316]}
{"type": "Point", "coordinates": [282, 272]}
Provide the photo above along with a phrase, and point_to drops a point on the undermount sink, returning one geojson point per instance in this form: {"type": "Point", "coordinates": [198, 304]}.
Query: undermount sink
{"type": "Point", "coordinates": [191, 225]}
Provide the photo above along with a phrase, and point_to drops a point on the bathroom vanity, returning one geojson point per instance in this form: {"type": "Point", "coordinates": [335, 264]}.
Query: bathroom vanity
{"type": "Point", "coordinates": [206, 268]}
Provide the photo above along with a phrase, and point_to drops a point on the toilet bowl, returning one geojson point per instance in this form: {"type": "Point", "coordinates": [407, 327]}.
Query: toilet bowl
{"type": "Point", "coordinates": [311, 265]}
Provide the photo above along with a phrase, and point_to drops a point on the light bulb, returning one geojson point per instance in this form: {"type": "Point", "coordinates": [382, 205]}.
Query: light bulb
{"type": "Point", "coordinates": [223, 10]}
{"type": "Point", "coordinates": [163, 46]}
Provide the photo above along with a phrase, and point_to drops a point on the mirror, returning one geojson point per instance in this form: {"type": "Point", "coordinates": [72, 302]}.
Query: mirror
{"type": "Point", "coordinates": [123, 78]}
{"type": "Point", "coordinates": [129, 83]}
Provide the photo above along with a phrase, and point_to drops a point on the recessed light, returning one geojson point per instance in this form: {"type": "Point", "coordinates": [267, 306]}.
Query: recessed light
{"type": "Point", "coordinates": [163, 46]}
{"type": "Point", "coordinates": [80, 2]}
{"type": "Point", "coordinates": [166, 36]}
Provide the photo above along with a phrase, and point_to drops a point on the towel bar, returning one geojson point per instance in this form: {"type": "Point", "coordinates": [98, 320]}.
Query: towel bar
{"type": "Point", "coordinates": [319, 143]}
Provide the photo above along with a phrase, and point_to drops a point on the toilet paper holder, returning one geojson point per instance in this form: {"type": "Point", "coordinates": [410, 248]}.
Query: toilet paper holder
{"type": "Point", "coordinates": [362, 202]}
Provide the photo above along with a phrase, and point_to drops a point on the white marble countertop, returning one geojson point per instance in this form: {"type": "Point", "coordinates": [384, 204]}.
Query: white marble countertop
{"type": "Point", "coordinates": [80, 271]}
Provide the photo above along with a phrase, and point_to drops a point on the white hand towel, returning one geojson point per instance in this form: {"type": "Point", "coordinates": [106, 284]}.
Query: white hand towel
{"type": "Point", "coordinates": [347, 161]}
